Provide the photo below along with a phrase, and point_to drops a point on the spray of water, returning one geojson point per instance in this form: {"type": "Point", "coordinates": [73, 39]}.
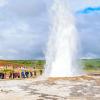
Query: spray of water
{"type": "Point", "coordinates": [62, 47]}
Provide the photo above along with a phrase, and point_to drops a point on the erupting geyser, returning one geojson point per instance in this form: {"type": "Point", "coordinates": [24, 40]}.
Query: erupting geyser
{"type": "Point", "coordinates": [62, 50]}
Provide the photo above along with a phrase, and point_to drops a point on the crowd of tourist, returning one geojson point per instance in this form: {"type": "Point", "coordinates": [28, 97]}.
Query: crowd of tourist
{"type": "Point", "coordinates": [23, 73]}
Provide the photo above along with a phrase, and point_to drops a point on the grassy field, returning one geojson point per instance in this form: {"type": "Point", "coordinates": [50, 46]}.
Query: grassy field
{"type": "Point", "coordinates": [89, 64]}
{"type": "Point", "coordinates": [26, 63]}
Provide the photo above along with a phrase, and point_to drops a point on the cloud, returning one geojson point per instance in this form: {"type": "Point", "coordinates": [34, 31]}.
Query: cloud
{"type": "Point", "coordinates": [3, 3]}
{"type": "Point", "coordinates": [88, 26]}
{"type": "Point", "coordinates": [90, 56]}
{"type": "Point", "coordinates": [82, 4]}
{"type": "Point", "coordinates": [24, 28]}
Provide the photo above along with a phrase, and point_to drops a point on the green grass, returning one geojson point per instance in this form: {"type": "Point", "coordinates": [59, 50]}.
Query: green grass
{"type": "Point", "coordinates": [89, 64]}
{"type": "Point", "coordinates": [27, 63]}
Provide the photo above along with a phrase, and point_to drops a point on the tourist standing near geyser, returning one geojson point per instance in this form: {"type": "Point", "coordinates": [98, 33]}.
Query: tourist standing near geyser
{"type": "Point", "coordinates": [62, 47]}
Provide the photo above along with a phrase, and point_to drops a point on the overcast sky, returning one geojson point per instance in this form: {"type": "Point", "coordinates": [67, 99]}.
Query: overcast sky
{"type": "Point", "coordinates": [24, 27]}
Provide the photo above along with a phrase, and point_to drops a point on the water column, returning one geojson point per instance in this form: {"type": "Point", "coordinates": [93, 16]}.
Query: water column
{"type": "Point", "coordinates": [62, 47]}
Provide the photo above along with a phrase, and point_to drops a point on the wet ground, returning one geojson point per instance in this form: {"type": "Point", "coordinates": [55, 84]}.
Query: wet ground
{"type": "Point", "coordinates": [77, 88]}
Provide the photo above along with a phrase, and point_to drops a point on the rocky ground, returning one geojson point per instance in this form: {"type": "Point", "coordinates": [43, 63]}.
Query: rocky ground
{"type": "Point", "coordinates": [82, 88]}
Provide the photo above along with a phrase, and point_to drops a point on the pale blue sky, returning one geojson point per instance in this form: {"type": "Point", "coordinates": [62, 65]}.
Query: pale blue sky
{"type": "Point", "coordinates": [24, 26]}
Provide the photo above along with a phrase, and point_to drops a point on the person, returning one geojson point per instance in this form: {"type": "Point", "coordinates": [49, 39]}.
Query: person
{"type": "Point", "coordinates": [11, 75]}
{"type": "Point", "coordinates": [22, 74]}
{"type": "Point", "coordinates": [1, 76]}
{"type": "Point", "coordinates": [31, 74]}
{"type": "Point", "coordinates": [34, 70]}
{"type": "Point", "coordinates": [27, 74]}
{"type": "Point", "coordinates": [40, 71]}
{"type": "Point", "coordinates": [16, 75]}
